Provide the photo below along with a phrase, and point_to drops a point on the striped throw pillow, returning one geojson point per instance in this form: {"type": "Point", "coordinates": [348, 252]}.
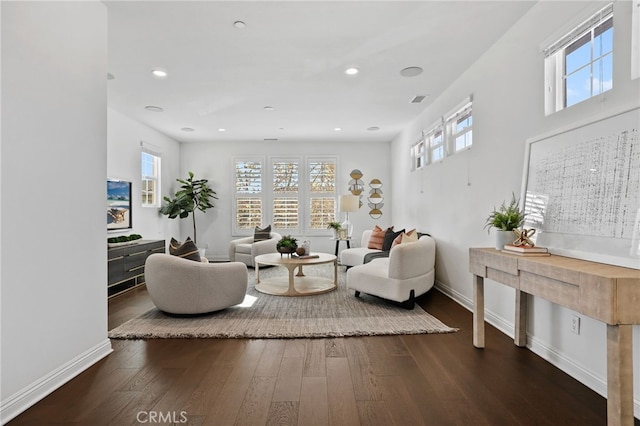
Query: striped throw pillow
{"type": "Point", "coordinates": [377, 238]}
{"type": "Point", "coordinates": [186, 250]}
{"type": "Point", "coordinates": [262, 234]}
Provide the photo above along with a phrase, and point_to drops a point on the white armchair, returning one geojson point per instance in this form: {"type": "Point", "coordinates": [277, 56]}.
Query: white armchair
{"type": "Point", "coordinates": [407, 273]}
{"type": "Point", "coordinates": [182, 286]}
{"type": "Point", "coordinates": [245, 249]}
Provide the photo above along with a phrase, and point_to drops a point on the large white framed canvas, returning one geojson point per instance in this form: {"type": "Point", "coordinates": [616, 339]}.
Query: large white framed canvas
{"type": "Point", "coordinates": [581, 189]}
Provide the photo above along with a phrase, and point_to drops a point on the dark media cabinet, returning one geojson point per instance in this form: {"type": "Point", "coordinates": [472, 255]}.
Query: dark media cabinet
{"type": "Point", "coordinates": [126, 264]}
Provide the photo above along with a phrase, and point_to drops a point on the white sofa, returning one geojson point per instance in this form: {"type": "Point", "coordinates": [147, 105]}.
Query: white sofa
{"type": "Point", "coordinates": [245, 249]}
{"type": "Point", "coordinates": [182, 286]}
{"type": "Point", "coordinates": [407, 273]}
{"type": "Point", "coordinates": [355, 256]}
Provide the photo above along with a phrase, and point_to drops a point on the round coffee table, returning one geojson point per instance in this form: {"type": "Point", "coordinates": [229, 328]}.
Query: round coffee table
{"type": "Point", "coordinates": [298, 284]}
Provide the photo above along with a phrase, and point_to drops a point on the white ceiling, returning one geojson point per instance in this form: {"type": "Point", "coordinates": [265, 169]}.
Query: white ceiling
{"type": "Point", "coordinates": [291, 56]}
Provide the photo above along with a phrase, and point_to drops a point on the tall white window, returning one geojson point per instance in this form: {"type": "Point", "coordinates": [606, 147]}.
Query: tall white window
{"type": "Point", "coordinates": [248, 194]}
{"type": "Point", "coordinates": [580, 65]}
{"type": "Point", "coordinates": [286, 193]}
{"type": "Point", "coordinates": [150, 177]}
{"type": "Point", "coordinates": [321, 174]}
{"type": "Point", "coordinates": [460, 128]}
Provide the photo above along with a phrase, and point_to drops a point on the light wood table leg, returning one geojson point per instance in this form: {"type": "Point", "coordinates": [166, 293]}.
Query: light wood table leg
{"type": "Point", "coordinates": [619, 375]}
{"type": "Point", "coordinates": [478, 311]}
{"type": "Point", "coordinates": [520, 331]}
{"type": "Point", "coordinates": [257, 273]}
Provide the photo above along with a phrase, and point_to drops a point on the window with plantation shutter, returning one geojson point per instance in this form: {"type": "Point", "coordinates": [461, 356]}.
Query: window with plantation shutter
{"type": "Point", "coordinates": [295, 195]}
{"type": "Point", "coordinates": [322, 193]}
{"type": "Point", "coordinates": [285, 176]}
{"type": "Point", "coordinates": [248, 194]}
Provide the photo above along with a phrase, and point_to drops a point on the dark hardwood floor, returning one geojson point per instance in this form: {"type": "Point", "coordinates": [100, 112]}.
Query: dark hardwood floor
{"type": "Point", "coordinates": [437, 379]}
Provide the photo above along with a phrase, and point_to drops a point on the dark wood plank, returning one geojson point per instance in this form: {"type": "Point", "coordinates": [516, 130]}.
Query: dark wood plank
{"type": "Point", "coordinates": [437, 379]}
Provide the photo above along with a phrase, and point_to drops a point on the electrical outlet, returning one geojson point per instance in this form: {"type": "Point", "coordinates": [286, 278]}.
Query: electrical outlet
{"type": "Point", "coordinates": [575, 324]}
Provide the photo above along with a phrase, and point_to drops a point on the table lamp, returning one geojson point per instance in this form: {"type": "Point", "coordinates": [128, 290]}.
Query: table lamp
{"type": "Point", "coordinates": [349, 203]}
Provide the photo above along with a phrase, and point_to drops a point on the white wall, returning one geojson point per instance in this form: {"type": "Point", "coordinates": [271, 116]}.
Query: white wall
{"type": "Point", "coordinates": [123, 162]}
{"type": "Point", "coordinates": [53, 168]}
{"type": "Point", "coordinates": [214, 161]}
{"type": "Point", "coordinates": [452, 199]}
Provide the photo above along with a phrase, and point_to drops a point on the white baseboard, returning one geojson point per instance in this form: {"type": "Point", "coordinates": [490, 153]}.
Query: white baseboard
{"type": "Point", "coordinates": [28, 396]}
{"type": "Point", "coordinates": [589, 379]}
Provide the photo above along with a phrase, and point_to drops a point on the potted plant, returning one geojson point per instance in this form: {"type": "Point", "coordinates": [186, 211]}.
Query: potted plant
{"type": "Point", "coordinates": [336, 226]}
{"type": "Point", "coordinates": [194, 194]}
{"type": "Point", "coordinates": [287, 245]}
{"type": "Point", "coordinates": [505, 219]}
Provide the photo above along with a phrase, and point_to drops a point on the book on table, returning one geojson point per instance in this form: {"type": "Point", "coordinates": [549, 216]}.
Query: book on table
{"type": "Point", "coordinates": [525, 251]}
{"type": "Point", "coordinates": [519, 253]}
{"type": "Point", "coordinates": [306, 256]}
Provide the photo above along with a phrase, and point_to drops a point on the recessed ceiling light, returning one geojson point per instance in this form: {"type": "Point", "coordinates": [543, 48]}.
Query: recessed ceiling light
{"type": "Point", "coordinates": [159, 72]}
{"type": "Point", "coordinates": [337, 129]}
{"type": "Point", "coordinates": [222, 130]}
{"type": "Point", "coordinates": [351, 71]}
{"type": "Point", "coordinates": [187, 129]}
{"type": "Point", "coordinates": [271, 139]}
{"type": "Point", "coordinates": [373, 128]}
{"type": "Point", "coordinates": [239, 24]}
{"type": "Point", "coordinates": [154, 108]}
{"type": "Point", "coordinates": [269, 108]}
{"type": "Point", "coordinates": [110, 76]}
{"type": "Point", "coordinates": [411, 71]}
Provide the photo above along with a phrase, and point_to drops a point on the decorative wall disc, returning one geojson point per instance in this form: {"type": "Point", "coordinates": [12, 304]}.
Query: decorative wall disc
{"type": "Point", "coordinates": [356, 185]}
{"type": "Point", "coordinates": [375, 199]}
{"type": "Point", "coordinates": [375, 213]}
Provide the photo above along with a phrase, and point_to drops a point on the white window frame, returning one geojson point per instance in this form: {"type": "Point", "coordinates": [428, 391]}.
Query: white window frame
{"type": "Point", "coordinates": [309, 194]}
{"type": "Point", "coordinates": [267, 196]}
{"type": "Point", "coordinates": [554, 61]}
{"type": "Point", "coordinates": [451, 134]}
{"type": "Point", "coordinates": [419, 154]}
{"type": "Point", "coordinates": [432, 146]}
{"type": "Point", "coordinates": [271, 195]}
{"type": "Point", "coordinates": [260, 195]}
{"type": "Point", "coordinates": [156, 159]}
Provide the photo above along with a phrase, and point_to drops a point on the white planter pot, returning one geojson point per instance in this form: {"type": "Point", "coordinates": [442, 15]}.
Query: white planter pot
{"type": "Point", "coordinates": [504, 237]}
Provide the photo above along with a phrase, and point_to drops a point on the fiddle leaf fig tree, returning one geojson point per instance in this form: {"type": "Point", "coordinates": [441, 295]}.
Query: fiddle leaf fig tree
{"type": "Point", "coordinates": [194, 194]}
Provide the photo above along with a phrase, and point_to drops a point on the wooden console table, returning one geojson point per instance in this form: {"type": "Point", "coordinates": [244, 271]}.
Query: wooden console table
{"type": "Point", "coordinates": [608, 293]}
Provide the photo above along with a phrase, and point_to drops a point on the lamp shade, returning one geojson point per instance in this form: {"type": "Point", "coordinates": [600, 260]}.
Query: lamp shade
{"type": "Point", "coordinates": [349, 203]}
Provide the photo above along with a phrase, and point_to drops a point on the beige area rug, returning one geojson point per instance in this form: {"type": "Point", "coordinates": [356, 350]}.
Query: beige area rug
{"type": "Point", "coordinates": [335, 314]}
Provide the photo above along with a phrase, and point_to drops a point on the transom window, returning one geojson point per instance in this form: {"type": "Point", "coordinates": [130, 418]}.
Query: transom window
{"type": "Point", "coordinates": [579, 66]}
{"type": "Point", "coordinates": [436, 144]}
{"type": "Point", "coordinates": [459, 127]}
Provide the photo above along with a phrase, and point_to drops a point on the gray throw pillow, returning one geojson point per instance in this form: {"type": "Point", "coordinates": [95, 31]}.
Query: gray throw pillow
{"type": "Point", "coordinates": [186, 250]}
{"type": "Point", "coordinates": [262, 234]}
